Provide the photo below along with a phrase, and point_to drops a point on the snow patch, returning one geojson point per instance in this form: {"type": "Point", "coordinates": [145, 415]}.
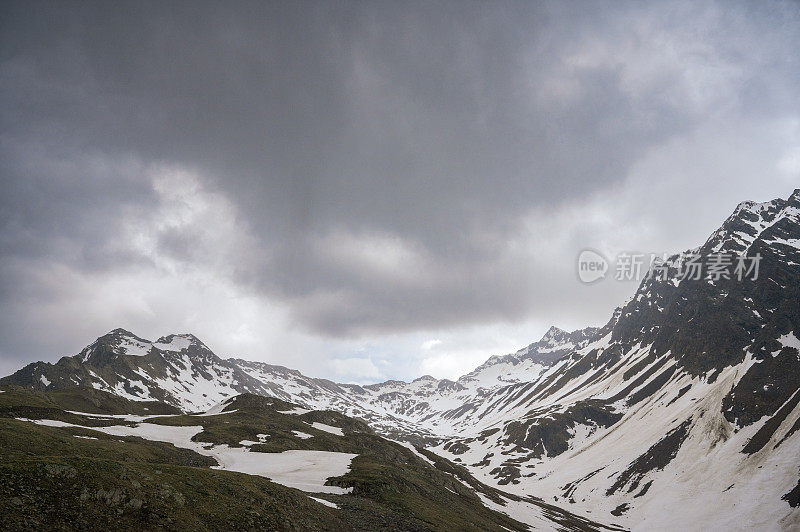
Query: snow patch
{"type": "Point", "coordinates": [177, 344]}
{"type": "Point", "coordinates": [134, 348]}
{"type": "Point", "coordinates": [790, 340]}
{"type": "Point", "coordinates": [123, 417]}
{"type": "Point", "coordinates": [217, 409]}
{"type": "Point", "coordinates": [326, 503]}
{"type": "Point", "coordinates": [328, 428]}
{"type": "Point", "coordinates": [296, 411]}
{"type": "Point", "coordinates": [414, 450]}
{"type": "Point", "coordinates": [261, 439]}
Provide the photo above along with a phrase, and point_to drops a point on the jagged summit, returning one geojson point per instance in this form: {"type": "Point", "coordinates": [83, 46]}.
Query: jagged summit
{"type": "Point", "coordinates": [554, 336]}
{"type": "Point", "coordinates": [550, 348]}
{"type": "Point", "coordinates": [178, 342]}
{"type": "Point", "coordinates": [186, 336]}
{"type": "Point", "coordinates": [119, 331]}
{"type": "Point", "coordinates": [121, 342]}
{"type": "Point", "coordinates": [749, 221]}
{"type": "Point", "coordinates": [556, 340]}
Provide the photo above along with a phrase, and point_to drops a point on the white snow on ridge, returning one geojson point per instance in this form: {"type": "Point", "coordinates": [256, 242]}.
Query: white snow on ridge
{"type": "Point", "coordinates": [123, 417]}
{"type": "Point", "coordinates": [217, 408]}
{"type": "Point", "coordinates": [790, 340]}
{"type": "Point", "coordinates": [134, 347]}
{"type": "Point", "coordinates": [177, 344]}
{"type": "Point", "coordinates": [50, 422]}
{"type": "Point", "coordinates": [44, 380]}
{"type": "Point", "coordinates": [327, 428]}
{"type": "Point", "coordinates": [326, 503]}
{"type": "Point", "coordinates": [207, 414]}
{"type": "Point", "coordinates": [296, 411]}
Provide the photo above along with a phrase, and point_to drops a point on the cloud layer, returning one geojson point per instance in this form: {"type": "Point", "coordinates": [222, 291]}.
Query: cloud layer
{"type": "Point", "coordinates": [334, 186]}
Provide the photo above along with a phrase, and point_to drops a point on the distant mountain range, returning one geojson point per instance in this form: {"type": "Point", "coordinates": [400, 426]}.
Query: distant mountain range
{"type": "Point", "coordinates": [682, 412]}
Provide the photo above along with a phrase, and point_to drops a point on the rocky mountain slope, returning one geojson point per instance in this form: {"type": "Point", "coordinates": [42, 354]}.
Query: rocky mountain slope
{"type": "Point", "coordinates": [681, 412]}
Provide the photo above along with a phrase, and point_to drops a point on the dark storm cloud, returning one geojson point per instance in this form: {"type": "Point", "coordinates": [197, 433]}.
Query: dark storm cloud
{"type": "Point", "coordinates": [430, 128]}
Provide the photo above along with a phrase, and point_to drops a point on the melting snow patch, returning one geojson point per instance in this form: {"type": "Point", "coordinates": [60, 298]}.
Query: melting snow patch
{"type": "Point", "coordinates": [85, 437]}
{"type": "Point", "coordinates": [302, 435]}
{"type": "Point", "coordinates": [261, 439]}
{"type": "Point", "coordinates": [327, 428]}
{"type": "Point", "coordinates": [790, 340]}
{"type": "Point", "coordinates": [48, 422]}
{"type": "Point", "coordinates": [415, 451]}
{"type": "Point", "coordinates": [123, 417]}
{"type": "Point", "coordinates": [217, 409]}
{"type": "Point", "coordinates": [134, 348]}
{"type": "Point", "coordinates": [44, 380]}
{"type": "Point", "coordinates": [177, 344]}
{"type": "Point", "coordinates": [296, 411]}
{"type": "Point", "coordinates": [326, 503]}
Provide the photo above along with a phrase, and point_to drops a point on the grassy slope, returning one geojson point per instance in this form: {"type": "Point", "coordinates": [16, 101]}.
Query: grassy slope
{"type": "Point", "coordinates": [52, 479]}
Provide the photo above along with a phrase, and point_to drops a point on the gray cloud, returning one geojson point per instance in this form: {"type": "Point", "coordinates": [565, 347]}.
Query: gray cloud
{"type": "Point", "coordinates": [380, 160]}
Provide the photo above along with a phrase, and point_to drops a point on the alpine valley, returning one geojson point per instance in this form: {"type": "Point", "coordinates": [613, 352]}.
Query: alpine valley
{"type": "Point", "coordinates": [680, 413]}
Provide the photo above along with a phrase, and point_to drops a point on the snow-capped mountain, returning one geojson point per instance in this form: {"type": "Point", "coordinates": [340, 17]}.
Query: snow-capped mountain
{"type": "Point", "coordinates": [681, 412]}
{"type": "Point", "coordinates": [180, 370]}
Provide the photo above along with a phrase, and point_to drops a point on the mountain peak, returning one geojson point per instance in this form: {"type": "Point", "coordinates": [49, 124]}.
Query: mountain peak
{"type": "Point", "coordinates": [184, 339]}
{"type": "Point", "coordinates": [123, 342]}
{"type": "Point", "coordinates": [748, 221]}
{"type": "Point", "coordinates": [119, 331]}
{"type": "Point", "coordinates": [554, 334]}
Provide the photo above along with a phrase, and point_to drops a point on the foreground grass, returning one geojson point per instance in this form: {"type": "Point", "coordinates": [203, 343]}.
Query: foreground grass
{"type": "Point", "coordinates": [78, 478]}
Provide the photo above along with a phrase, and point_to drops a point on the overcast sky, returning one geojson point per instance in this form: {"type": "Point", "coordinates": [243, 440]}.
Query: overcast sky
{"type": "Point", "coordinates": [369, 190]}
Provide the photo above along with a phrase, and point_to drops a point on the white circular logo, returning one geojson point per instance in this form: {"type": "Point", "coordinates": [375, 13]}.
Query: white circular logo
{"type": "Point", "coordinates": [592, 266]}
